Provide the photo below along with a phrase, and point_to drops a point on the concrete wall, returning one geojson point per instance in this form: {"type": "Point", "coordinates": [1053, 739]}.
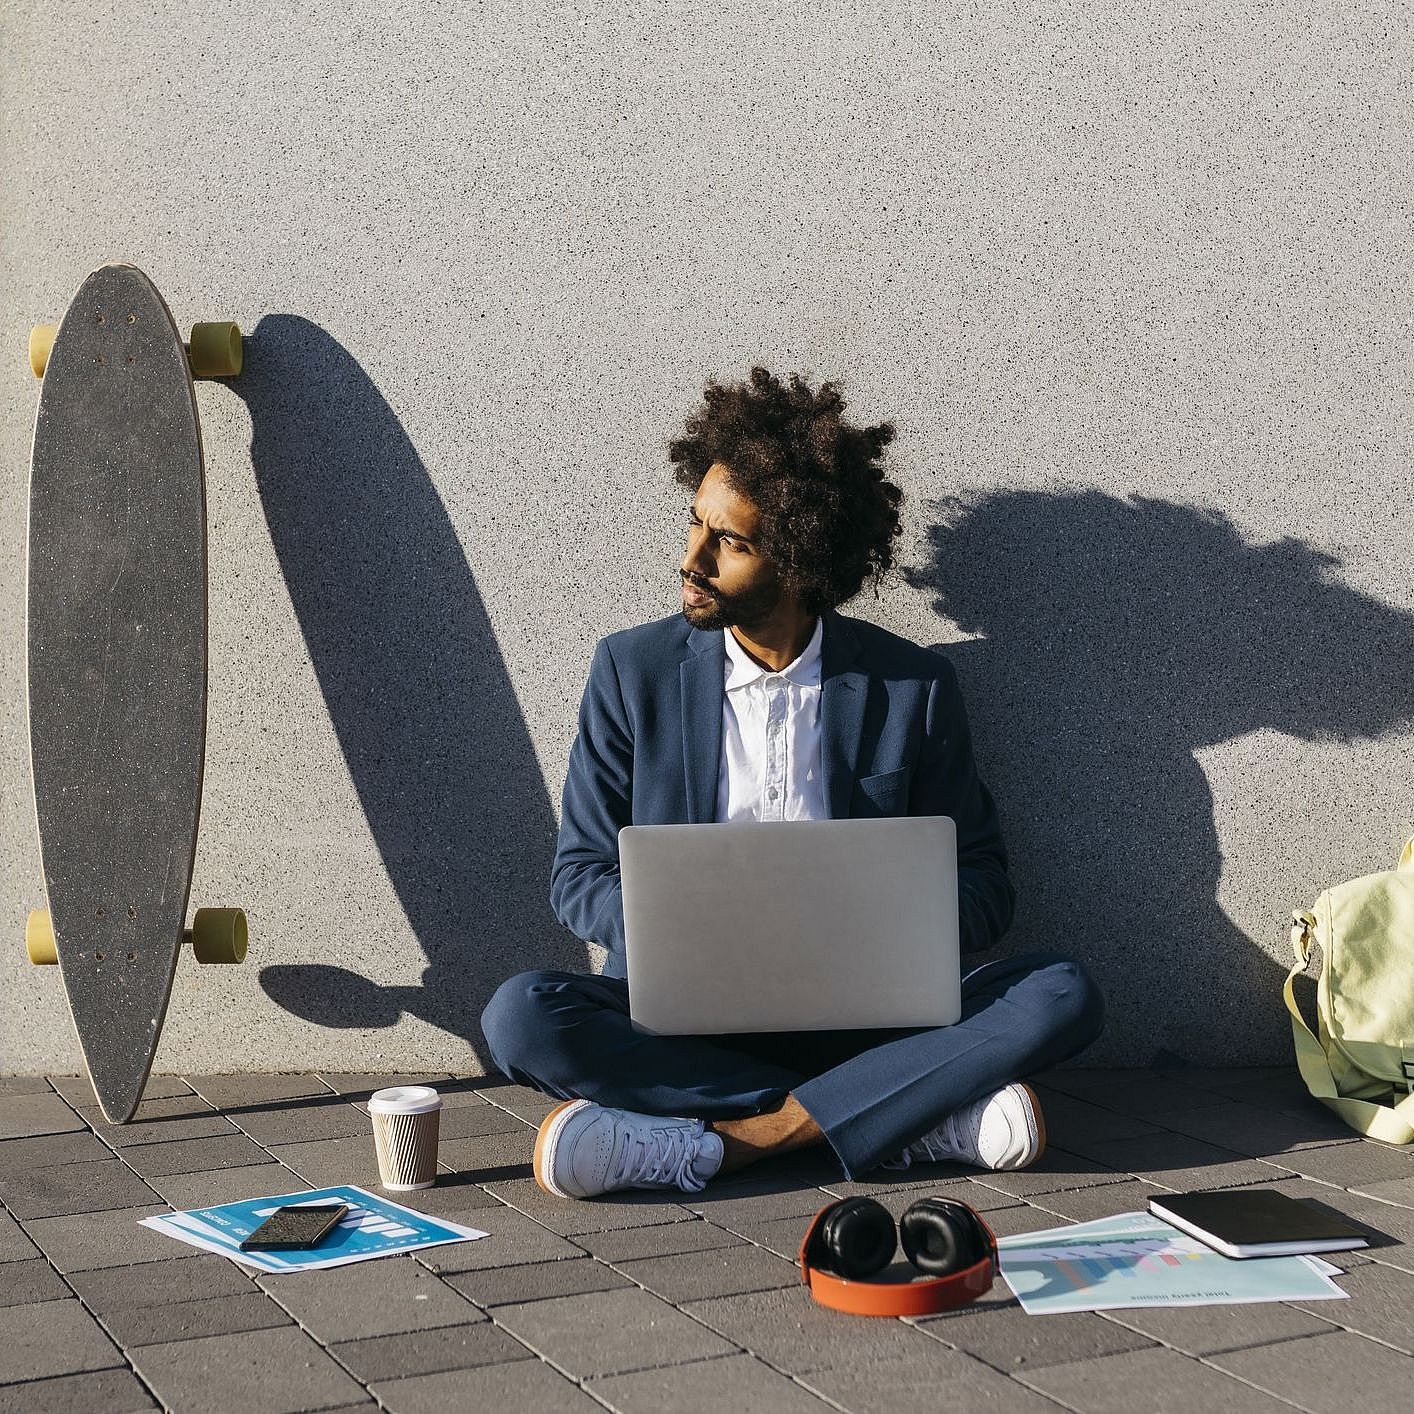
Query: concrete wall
{"type": "Point", "coordinates": [1133, 281]}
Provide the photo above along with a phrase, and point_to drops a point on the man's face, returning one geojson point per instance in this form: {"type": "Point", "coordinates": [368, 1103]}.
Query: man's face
{"type": "Point", "coordinates": [724, 560]}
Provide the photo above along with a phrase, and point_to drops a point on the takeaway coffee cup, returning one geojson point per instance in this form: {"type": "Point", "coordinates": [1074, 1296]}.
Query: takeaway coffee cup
{"type": "Point", "coordinates": [405, 1123]}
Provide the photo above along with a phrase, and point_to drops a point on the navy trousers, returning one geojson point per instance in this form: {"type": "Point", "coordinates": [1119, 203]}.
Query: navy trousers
{"type": "Point", "coordinates": [872, 1092]}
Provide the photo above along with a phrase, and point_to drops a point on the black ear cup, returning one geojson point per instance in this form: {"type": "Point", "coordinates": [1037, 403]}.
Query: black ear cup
{"type": "Point", "coordinates": [858, 1237]}
{"type": "Point", "coordinates": [941, 1236]}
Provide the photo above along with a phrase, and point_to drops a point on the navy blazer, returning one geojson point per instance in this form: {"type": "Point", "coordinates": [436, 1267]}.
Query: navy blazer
{"type": "Point", "coordinates": [894, 740]}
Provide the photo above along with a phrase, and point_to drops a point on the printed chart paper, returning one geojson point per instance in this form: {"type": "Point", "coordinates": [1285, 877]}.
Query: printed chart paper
{"type": "Point", "coordinates": [1135, 1259]}
{"type": "Point", "coordinates": [374, 1226]}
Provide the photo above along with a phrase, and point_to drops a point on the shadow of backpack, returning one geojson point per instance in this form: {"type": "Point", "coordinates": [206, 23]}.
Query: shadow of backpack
{"type": "Point", "coordinates": [1363, 1064]}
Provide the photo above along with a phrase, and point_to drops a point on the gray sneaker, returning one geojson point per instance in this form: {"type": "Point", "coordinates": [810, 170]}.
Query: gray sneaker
{"type": "Point", "coordinates": [583, 1149]}
{"type": "Point", "coordinates": [1003, 1130]}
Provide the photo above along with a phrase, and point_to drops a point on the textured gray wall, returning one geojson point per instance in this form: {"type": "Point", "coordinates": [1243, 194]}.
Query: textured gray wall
{"type": "Point", "coordinates": [1132, 281]}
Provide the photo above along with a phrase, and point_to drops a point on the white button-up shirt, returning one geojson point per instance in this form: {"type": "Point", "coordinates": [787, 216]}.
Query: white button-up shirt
{"type": "Point", "coordinates": [770, 768]}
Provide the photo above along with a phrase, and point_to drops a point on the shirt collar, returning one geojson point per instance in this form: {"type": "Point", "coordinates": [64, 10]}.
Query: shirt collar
{"type": "Point", "coordinates": [804, 672]}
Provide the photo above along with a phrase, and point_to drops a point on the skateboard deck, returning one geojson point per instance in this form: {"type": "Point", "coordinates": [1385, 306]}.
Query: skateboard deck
{"type": "Point", "coordinates": [117, 615]}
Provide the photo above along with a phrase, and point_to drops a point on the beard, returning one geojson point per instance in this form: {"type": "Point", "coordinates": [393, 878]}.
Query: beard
{"type": "Point", "coordinates": [750, 608]}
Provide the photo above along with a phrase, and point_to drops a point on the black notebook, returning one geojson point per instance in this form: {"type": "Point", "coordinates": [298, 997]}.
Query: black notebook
{"type": "Point", "coordinates": [1257, 1222]}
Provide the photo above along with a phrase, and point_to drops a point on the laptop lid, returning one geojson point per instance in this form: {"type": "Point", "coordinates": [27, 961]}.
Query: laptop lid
{"type": "Point", "coordinates": [796, 925]}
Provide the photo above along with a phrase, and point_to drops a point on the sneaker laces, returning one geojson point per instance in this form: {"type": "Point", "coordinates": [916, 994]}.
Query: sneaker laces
{"type": "Point", "coordinates": [661, 1157]}
{"type": "Point", "coordinates": [946, 1141]}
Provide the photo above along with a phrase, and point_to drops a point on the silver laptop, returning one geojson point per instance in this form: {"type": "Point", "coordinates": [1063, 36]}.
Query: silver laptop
{"type": "Point", "coordinates": [796, 925]}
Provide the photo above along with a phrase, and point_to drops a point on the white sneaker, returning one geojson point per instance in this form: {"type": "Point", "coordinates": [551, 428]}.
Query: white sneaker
{"type": "Point", "coordinates": [1003, 1130]}
{"type": "Point", "coordinates": [583, 1149]}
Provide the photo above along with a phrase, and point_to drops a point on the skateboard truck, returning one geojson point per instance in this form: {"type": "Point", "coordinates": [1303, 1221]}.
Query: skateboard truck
{"type": "Point", "coordinates": [213, 350]}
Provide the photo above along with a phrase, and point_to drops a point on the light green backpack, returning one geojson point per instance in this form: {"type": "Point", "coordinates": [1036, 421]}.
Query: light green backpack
{"type": "Point", "coordinates": [1365, 1001]}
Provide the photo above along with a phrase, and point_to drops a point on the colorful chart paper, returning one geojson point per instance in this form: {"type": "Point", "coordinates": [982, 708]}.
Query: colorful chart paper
{"type": "Point", "coordinates": [374, 1226]}
{"type": "Point", "coordinates": [1135, 1259]}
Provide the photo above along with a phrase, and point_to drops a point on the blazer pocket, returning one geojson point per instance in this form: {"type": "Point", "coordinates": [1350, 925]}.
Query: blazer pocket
{"type": "Point", "coordinates": [885, 793]}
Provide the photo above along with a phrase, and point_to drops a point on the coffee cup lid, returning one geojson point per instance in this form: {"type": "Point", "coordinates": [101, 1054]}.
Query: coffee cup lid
{"type": "Point", "coordinates": [404, 1100]}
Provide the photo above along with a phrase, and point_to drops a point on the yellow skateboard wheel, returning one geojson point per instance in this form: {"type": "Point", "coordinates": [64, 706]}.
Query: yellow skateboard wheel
{"type": "Point", "coordinates": [219, 935]}
{"type": "Point", "coordinates": [214, 350]}
{"type": "Point", "coordinates": [41, 340]}
{"type": "Point", "coordinates": [39, 938]}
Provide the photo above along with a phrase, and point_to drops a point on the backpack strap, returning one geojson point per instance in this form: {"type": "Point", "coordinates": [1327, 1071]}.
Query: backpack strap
{"type": "Point", "coordinates": [1392, 1123]}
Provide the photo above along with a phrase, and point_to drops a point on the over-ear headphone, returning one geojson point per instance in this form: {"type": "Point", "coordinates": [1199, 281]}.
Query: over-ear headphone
{"type": "Point", "coordinates": [851, 1239]}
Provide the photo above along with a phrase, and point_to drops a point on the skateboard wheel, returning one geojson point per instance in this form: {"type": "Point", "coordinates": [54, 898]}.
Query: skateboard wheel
{"type": "Point", "coordinates": [214, 350]}
{"type": "Point", "coordinates": [219, 935]}
{"type": "Point", "coordinates": [39, 938]}
{"type": "Point", "coordinates": [41, 340]}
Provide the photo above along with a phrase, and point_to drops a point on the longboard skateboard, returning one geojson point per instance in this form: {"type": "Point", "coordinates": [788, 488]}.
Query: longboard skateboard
{"type": "Point", "coordinates": [116, 655]}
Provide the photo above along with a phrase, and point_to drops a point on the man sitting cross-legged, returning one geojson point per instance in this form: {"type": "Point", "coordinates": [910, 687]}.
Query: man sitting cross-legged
{"type": "Point", "coordinates": [726, 712]}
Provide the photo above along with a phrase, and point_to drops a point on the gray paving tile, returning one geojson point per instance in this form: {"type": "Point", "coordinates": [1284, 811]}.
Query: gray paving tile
{"type": "Point", "coordinates": [1083, 1204]}
{"type": "Point", "coordinates": [707, 1387]}
{"type": "Point", "coordinates": [975, 1195]}
{"type": "Point", "coordinates": [452, 1196]}
{"type": "Point", "coordinates": [781, 1235]}
{"type": "Point", "coordinates": [661, 1240]}
{"type": "Point", "coordinates": [14, 1245]}
{"type": "Point", "coordinates": [1398, 1191]}
{"type": "Point", "coordinates": [1071, 1121]}
{"type": "Point", "coordinates": [1250, 1130]}
{"type": "Point", "coordinates": [1207, 1330]}
{"type": "Point", "coordinates": [536, 1281]}
{"type": "Point", "coordinates": [472, 1120]}
{"type": "Point", "coordinates": [1011, 1222]}
{"type": "Point", "coordinates": [609, 1332]}
{"type": "Point", "coordinates": [1133, 1092]}
{"type": "Point", "coordinates": [303, 1121]}
{"type": "Point", "coordinates": [199, 1277]}
{"type": "Point", "coordinates": [381, 1297]}
{"type": "Point", "coordinates": [759, 1202]}
{"type": "Point", "coordinates": [530, 1105]}
{"type": "Point", "coordinates": [518, 1385]}
{"type": "Point", "coordinates": [1269, 1087]}
{"type": "Point", "coordinates": [22, 1116]}
{"type": "Point", "coordinates": [360, 1087]}
{"type": "Point", "coordinates": [997, 1330]}
{"type": "Point", "coordinates": [498, 1155]}
{"type": "Point", "coordinates": [78, 1089]}
{"type": "Point", "coordinates": [281, 1371]}
{"type": "Point", "coordinates": [188, 1320]}
{"type": "Point", "coordinates": [233, 1091]}
{"type": "Point", "coordinates": [25, 1283]}
{"type": "Point", "coordinates": [82, 1188]}
{"type": "Point", "coordinates": [1326, 1374]}
{"type": "Point", "coordinates": [512, 1238]}
{"type": "Point", "coordinates": [160, 1121]}
{"type": "Point", "coordinates": [52, 1338]}
{"type": "Point", "coordinates": [632, 1207]}
{"type": "Point", "coordinates": [1175, 1161]}
{"type": "Point", "coordinates": [789, 1330]}
{"type": "Point", "coordinates": [79, 1242]}
{"type": "Point", "coordinates": [44, 1150]}
{"type": "Point", "coordinates": [1172, 1384]}
{"type": "Point", "coordinates": [326, 1161]}
{"type": "Point", "coordinates": [722, 1271]}
{"type": "Point", "coordinates": [111, 1391]}
{"type": "Point", "coordinates": [1356, 1165]}
{"type": "Point", "coordinates": [932, 1381]}
{"type": "Point", "coordinates": [395, 1357]}
{"type": "Point", "coordinates": [185, 1191]}
{"type": "Point", "coordinates": [24, 1085]}
{"type": "Point", "coordinates": [1055, 1171]}
{"type": "Point", "coordinates": [1381, 1298]}
{"type": "Point", "coordinates": [194, 1155]}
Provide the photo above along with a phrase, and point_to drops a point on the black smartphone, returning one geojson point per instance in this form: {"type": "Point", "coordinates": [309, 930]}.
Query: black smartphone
{"type": "Point", "coordinates": [295, 1226]}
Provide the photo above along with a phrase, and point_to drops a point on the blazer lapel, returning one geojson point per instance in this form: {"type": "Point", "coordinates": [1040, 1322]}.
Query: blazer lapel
{"type": "Point", "coordinates": [843, 692]}
{"type": "Point", "coordinates": [702, 680]}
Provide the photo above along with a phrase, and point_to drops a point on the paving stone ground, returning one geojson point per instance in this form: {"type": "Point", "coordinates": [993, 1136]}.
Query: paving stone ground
{"type": "Point", "coordinates": [667, 1303]}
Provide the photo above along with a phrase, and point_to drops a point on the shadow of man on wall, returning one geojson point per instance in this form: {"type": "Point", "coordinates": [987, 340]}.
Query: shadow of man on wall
{"type": "Point", "coordinates": [416, 689]}
{"type": "Point", "coordinates": [1119, 637]}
